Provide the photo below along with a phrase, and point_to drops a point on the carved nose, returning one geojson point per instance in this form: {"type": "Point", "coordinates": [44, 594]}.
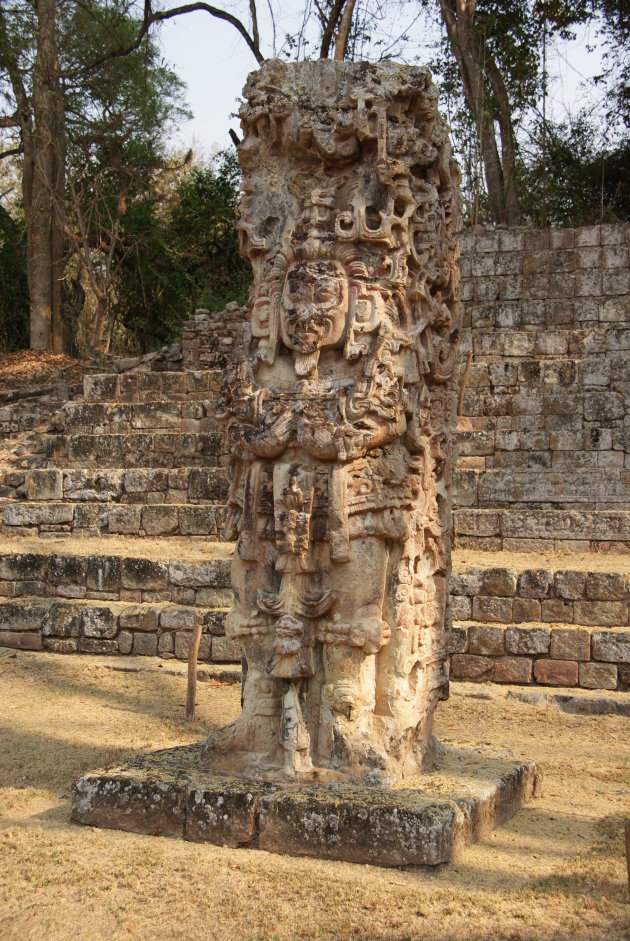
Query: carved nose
{"type": "Point", "coordinates": [303, 314]}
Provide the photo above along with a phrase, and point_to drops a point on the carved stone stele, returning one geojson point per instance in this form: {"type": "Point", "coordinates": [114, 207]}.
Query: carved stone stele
{"type": "Point", "coordinates": [339, 415]}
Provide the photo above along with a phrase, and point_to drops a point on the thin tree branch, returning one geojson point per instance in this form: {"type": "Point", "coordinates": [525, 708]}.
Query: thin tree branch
{"type": "Point", "coordinates": [157, 16]}
{"type": "Point", "coordinates": [10, 120]}
{"type": "Point", "coordinates": [254, 15]}
{"type": "Point", "coordinates": [11, 153]}
{"type": "Point", "coordinates": [331, 26]}
{"type": "Point", "coordinates": [341, 43]}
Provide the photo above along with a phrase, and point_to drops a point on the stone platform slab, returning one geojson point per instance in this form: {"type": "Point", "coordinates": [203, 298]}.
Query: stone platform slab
{"type": "Point", "coordinates": [167, 793]}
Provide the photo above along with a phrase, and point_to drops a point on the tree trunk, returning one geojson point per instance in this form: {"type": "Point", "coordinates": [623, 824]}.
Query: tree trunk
{"type": "Point", "coordinates": [472, 54]}
{"type": "Point", "coordinates": [46, 186]}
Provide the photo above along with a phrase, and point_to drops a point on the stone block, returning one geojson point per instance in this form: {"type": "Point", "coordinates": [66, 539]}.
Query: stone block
{"type": "Point", "coordinates": [517, 670]}
{"type": "Point", "coordinates": [124, 520]}
{"type": "Point", "coordinates": [209, 486]}
{"type": "Point", "coordinates": [458, 642]}
{"type": "Point", "coordinates": [98, 623]}
{"type": "Point", "coordinates": [64, 645]}
{"type": "Point", "coordinates": [598, 676]}
{"type": "Point", "coordinates": [160, 520]}
{"type": "Point", "coordinates": [570, 585]}
{"type": "Point", "coordinates": [525, 609]}
{"type": "Point", "coordinates": [623, 677]}
{"type": "Point", "coordinates": [609, 586]}
{"type": "Point", "coordinates": [182, 646]}
{"type": "Point", "coordinates": [125, 642]}
{"type": "Point", "coordinates": [486, 641]}
{"type": "Point", "coordinates": [100, 388]}
{"type": "Point", "coordinates": [225, 651]}
{"type": "Point", "coordinates": [461, 608]}
{"type": "Point", "coordinates": [25, 514]}
{"type": "Point", "coordinates": [213, 574]}
{"type": "Point", "coordinates": [94, 645]}
{"type": "Point", "coordinates": [616, 281]}
{"type": "Point", "coordinates": [145, 645]}
{"type": "Point", "coordinates": [551, 344]}
{"type": "Point", "coordinates": [67, 570]}
{"type": "Point", "coordinates": [467, 667]}
{"type": "Point", "coordinates": [103, 572]}
{"type": "Point", "coordinates": [466, 583]}
{"type": "Point", "coordinates": [604, 613]}
{"type": "Point", "coordinates": [24, 565]}
{"type": "Point", "coordinates": [144, 574]}
{"type": "Point", "coordinates": [140, 481]}
{"type": "Point", "coordinates": [527, 640]}
{"type": "Point", "coordinates": [165, 793]}
{"type": "Point", "coordinates": [139, 619]}
{"type": "Point", "coordinates": [492, 609]}
{"type": "Point", "coordinates": [535, 583]}
{"type": "Point", "coordinates": [178, 619]}
{"type": "Point", "coordinates": [21, 616]}
{"type": "Point", "coordinates": [568, 644]}
{"type": "Point", "coordinates": [588, 282]}
{"type": "Point", "coordinates": [20, 640]}
{"type": "Point", "coordinates": [44, 484]}
{"type": "Point", "coordinates": [499, 582]}
{"type": "Point", "coordinates": [557, 610]}
{"type": "Point", "coordinates": [556, 672]}
{"type": "Point", "coordinates": [214, 597]}
{"type": "Point", "coordinates": [197, 521]}
{"type": "Point", "coordinates": [612, 647]}
{"type": "Point", "coordinates": [603, 406]}
{"type": "Point", "coordinates": [61, 620]}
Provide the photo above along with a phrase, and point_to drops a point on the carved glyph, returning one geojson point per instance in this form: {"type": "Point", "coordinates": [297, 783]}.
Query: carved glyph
{"type": "Point", "coordinates": [339, 413]}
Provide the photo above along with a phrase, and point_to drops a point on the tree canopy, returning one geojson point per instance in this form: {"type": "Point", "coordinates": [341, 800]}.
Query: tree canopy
{"type": "Point", "coordinates": [111, 236]}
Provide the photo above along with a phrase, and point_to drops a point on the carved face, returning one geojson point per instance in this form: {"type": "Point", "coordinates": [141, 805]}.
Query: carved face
{"type": "Point", "coordinates": [314, 306]}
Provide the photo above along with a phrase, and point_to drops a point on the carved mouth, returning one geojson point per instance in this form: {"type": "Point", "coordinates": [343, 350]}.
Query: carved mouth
{"type": "Point", "coordinates": [309, 335]}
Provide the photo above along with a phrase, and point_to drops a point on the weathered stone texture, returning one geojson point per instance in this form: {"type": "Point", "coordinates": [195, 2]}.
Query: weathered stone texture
{"type": "Point", "coordinates": [547, 315]}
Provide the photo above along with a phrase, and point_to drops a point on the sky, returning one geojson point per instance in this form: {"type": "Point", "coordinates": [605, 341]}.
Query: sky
{"type": "Point", "coordinates": [214, 61]}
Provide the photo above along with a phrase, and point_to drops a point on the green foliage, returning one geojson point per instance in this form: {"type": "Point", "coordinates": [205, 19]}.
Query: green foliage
{"type": "Point", "coordinates": [14, 326]}
{"type": "Point", "coordinates": [585, 183]}
{"type": "Point", "coordinates": [186, 252]}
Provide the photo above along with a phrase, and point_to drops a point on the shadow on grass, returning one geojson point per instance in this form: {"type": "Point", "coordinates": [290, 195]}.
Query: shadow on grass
{"type": "Point", "coordinates": [165, 699]}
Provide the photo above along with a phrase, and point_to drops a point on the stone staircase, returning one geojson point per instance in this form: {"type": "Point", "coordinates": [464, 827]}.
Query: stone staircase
{"type": "Point", "coordinates": [109, 537]}
{"type": "Point", "coordinates": [109, 533]}
{"type": "Point", "coordinates": [544, 438]}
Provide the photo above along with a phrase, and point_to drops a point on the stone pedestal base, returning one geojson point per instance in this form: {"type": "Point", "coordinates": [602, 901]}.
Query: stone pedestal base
{"type": "Point", "coordinates": [166, 794]}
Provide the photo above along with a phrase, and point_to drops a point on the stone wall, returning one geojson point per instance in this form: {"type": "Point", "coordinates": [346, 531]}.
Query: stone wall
{"type": "Point", "coordinates": [545, 434]}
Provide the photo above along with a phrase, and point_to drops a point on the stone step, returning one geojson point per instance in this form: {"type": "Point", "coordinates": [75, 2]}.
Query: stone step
{"type": "Point", "coordinates": [535, 530]}
{"type": "Point", "coordinates": [44, 519]}
{"type": "Point", "coordinates": [553, 379]}
{"type": "Point", "coordinates": [114, 568]}
{"type": "Point", "coordinates": [150, 449]}
{"type": "Point", "coordinates": [194, 485]}
{"type": "Point", "coordinates": [539, 488]}
{"type": "Point", "coordinates": [98, 627]}
{"type": "Point", "coordinates": [592, 590]}
{"type": "Point", "coordinates": [557, 654]}
{"type": "Point", "coordinates": [150, 386]}
{"type": "Point", "coordinates": [97, 418]}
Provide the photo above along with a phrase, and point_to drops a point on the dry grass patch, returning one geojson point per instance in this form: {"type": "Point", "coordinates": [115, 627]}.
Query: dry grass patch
{"type": "Point", "coordinates": [557, 871]}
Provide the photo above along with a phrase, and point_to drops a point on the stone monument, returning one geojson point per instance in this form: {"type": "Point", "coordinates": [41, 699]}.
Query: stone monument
{"type": "Point", "coordinates": [340, 417]}
{"type": "Point", "coordinates": [339, 407]}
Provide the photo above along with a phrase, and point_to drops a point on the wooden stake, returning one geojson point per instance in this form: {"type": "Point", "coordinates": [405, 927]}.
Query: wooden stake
{"type": "Point", "coordinates": [628, 852]}
{"type": "Point", "coordinates": [192, 673]}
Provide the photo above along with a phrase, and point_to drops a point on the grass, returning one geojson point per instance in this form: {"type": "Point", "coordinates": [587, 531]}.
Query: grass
{"type": "Point", "coordinates": [556, 871]}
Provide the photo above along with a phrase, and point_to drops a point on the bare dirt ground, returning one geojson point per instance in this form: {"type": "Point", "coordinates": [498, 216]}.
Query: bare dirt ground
{"type": "Point", "coordinates": [556, 871]}
{"type": "Point", "coordinates": [28, 369]}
